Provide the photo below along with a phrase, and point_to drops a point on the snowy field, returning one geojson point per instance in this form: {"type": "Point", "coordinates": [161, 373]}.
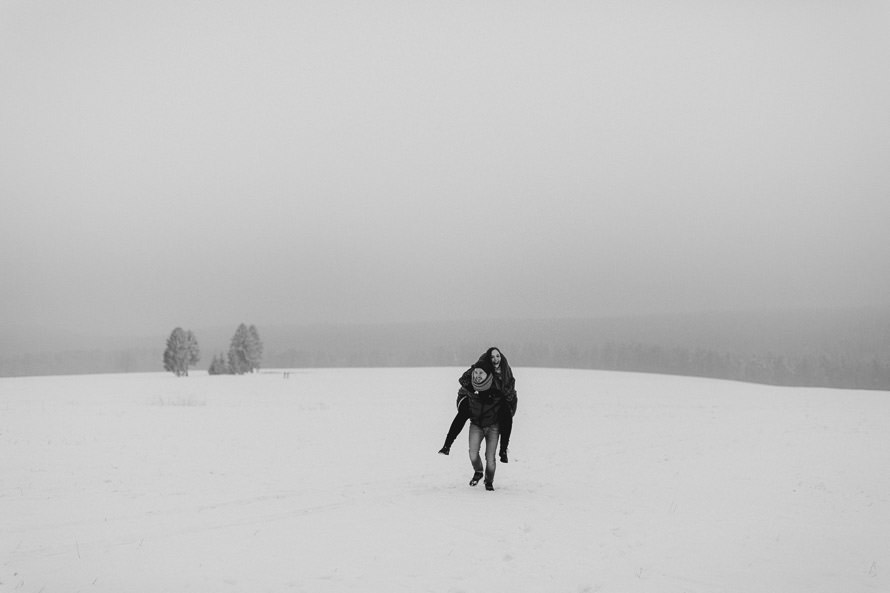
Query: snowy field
{"type": "Point", "coordinates": [329, 481]}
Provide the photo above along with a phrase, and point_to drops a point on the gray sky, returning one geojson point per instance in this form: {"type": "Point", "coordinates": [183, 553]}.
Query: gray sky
{"type": "Point", "coordinates": [170, 163]}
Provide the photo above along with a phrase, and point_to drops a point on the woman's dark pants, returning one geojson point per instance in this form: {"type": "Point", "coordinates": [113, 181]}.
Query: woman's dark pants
{"type": "Point", "coordinates": [457, 425]}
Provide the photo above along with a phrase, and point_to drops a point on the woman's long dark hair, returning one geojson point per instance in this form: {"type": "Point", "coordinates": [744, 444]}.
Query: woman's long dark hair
{"type": "Point", "coordinates": [507, 381]}
{"type": "Point", "coordinates": [505, 366]}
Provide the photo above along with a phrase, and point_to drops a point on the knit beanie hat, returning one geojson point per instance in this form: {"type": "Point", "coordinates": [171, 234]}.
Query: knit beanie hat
{"type": "Point", "coordinates": [485, 384]}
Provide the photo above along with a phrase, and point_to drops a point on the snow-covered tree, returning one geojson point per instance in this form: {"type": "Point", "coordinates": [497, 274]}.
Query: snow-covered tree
{"type": "Point", "coordinates": [245, 351]}
{"type": "Point", "coordinates": [254, 348]}
{"type": "Point", "coordinates": [182, 351]}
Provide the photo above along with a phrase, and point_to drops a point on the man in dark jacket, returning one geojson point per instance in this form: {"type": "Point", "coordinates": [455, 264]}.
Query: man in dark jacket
{"type": "Point", "coordinates": [485, 401]}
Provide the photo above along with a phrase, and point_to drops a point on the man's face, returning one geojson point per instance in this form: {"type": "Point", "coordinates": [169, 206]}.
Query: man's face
{"type": "Point", "coordinates": [479, 375]}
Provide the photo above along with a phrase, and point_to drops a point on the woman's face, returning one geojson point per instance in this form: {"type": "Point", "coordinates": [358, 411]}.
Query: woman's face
{"type": "Point", "coordinates": [479, 375]}
{"type": "Point", "coordinates": [495, 358]}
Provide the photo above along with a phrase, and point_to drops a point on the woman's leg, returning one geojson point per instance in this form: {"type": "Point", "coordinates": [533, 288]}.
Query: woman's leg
{"type": "Point", "coordinates": [506, 424]}
{"type": "Point", "coordinates": [457, 425]}
{"type": "Point", "coordinates": [491, 446]}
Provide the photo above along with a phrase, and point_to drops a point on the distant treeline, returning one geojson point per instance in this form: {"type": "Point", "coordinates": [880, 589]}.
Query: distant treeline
{"type": "Point", "coordinates": [82, 362]}
{"type": "Point", "coordinates": [800, 371]}
{"type": "Point", "coordinates": [841, 349]}
{"type": "Point", "coordinates": [803, 371]}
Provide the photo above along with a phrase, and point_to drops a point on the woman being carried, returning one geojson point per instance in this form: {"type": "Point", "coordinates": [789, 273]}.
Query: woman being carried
{"type": "Point", "coordinates": [505, 384]}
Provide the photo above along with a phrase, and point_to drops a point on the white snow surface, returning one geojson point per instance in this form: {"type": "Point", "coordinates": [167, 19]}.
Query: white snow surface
{"type": "Point", "coordinates": [329, 481]}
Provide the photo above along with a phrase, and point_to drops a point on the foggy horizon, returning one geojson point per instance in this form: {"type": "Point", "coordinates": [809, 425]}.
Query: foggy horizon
{"type": "Point", "coordinates": [836, 316]}
{"type": "Point", "coordinates": [172, 164]}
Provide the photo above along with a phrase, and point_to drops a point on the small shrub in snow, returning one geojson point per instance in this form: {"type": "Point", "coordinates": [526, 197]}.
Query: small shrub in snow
{"type": "Point", "coordinates": [189, 401]}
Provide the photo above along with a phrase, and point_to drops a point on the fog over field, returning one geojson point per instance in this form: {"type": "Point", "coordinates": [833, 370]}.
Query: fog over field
{"type": "Point", "coordinates": [187, 164]}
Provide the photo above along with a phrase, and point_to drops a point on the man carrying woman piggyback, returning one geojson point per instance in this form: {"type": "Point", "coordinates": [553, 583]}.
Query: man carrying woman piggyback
{"type": "Point", "coordinates": [488, 399]}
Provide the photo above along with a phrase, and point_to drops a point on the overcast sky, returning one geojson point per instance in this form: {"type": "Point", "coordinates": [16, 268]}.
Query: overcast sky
{"type": "Point", "coordinates": [187, 163]}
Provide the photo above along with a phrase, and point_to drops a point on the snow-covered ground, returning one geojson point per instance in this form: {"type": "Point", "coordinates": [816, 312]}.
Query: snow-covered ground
{"type": "Point", "coordinates": [329, 481]}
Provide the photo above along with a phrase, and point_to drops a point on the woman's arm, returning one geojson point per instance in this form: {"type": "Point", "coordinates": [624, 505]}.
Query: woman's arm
{"type": "Point", "coordinates": [463, 398]}
{"type": "Point", "coordinates": [509, 384]}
